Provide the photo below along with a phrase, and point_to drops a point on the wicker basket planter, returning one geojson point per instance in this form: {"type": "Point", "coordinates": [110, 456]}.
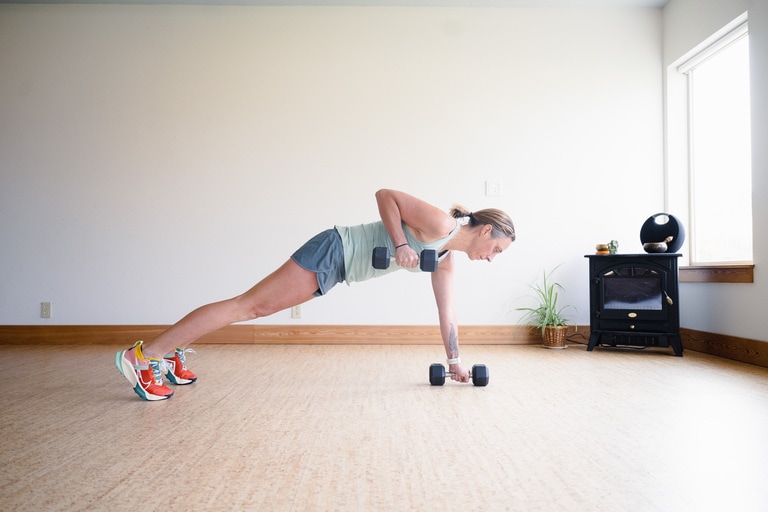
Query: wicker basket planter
{"type": "Point", "coordinates": [546, 315]}
{"type": "Point", "coordinates": [554, 336]}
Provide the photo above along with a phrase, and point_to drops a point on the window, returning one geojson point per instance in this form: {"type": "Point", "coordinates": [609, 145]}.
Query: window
{"type": "Point", "coordinates": [719, 151]}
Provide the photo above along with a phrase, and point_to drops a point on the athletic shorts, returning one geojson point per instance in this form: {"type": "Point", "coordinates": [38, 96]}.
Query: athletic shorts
{"type": "Point", "coordinates": [324, 255]}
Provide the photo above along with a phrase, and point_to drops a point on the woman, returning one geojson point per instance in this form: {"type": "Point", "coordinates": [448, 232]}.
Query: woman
{"type": "Point", "coordinates": [407, 226]}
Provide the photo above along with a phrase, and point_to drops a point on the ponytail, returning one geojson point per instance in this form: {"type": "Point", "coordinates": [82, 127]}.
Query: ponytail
{"type": "Point", "coordinates": [500, 222]}
{"type": "Point", "coordinates": [459, 212]}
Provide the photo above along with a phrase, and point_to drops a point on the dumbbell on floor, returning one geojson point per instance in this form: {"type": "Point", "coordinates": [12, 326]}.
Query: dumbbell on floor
{"type": "Point", "coordinates": [479, 374]}
{"type": "Point", "coordinates": [427, 259]}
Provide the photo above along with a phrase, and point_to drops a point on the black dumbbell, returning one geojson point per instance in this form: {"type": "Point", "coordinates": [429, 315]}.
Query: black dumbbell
{"type": "Point", "coordinates": [427, 260]}
{"type": "Point", "coordinates": [479, 374]}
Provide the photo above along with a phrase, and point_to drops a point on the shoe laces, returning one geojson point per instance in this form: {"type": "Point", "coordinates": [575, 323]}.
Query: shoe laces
{"type": "Point", "coordinates": [158, 367]}
{"type": "Point", "coordinates": [182, 358]}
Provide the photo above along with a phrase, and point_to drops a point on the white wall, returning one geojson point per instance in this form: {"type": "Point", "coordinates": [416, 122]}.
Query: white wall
{"type": "Point", "coordinates": [732, 309]}
{"type": "Point", "coordinates": [155, 158]}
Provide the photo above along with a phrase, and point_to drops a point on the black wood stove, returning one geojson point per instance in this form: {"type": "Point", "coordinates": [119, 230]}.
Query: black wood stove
{"type": "Point", "coordinates": [633, 301]}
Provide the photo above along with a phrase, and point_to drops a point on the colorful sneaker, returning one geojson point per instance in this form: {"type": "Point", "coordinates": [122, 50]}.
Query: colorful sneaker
{"type": "Point", "coordinates": [146, 379]}
{"type": "Point", "coordinates": [177, 370]}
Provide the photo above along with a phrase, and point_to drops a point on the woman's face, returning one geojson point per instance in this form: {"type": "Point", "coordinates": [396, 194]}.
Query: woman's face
{"type": "Point", "coordinates": [485, 247]}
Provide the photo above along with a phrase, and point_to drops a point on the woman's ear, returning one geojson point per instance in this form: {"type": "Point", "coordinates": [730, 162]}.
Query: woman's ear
{"type": "Point", "coordinates": [487, 229]}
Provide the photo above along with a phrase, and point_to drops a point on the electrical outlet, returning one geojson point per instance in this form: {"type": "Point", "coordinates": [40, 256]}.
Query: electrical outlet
{"type": "Point", "coordinates": [45, 310]}
{"type": "Point", "coordinates": [493, 188]}
{"type": "Point", "coordinates": [296, 312]}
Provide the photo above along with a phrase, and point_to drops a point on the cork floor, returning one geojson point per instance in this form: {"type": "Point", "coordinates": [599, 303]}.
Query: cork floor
{"type": "Point", "coordinates": [315, 428]}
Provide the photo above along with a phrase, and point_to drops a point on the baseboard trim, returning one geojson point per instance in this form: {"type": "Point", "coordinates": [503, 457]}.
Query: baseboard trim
{"type": "Point", "coordinates": [744, 350]}
{"type": "Point", "coordinates": [270, 334]}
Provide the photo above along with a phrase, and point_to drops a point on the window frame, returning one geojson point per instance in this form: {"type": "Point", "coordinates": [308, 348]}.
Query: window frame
{"type": "Point", "coordinates": [717, 273]}
{"type": "Point", "coordinates": [678, 159]}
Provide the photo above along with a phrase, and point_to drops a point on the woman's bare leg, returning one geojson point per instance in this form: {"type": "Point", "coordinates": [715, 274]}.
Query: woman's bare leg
{"type": "Point", "coordinates": [288, 286]}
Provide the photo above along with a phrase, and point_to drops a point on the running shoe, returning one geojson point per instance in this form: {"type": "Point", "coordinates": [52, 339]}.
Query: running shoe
{"type": "Point", "coordinates": [177, 369]}
{"type": "Point", "coordinates": [147, 378]}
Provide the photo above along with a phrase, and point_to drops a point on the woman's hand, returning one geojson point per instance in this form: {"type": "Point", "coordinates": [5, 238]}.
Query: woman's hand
{"type": "Point", "coordinates": [460, 374]}
{"type": "Point", "coordinates": [406, 257]}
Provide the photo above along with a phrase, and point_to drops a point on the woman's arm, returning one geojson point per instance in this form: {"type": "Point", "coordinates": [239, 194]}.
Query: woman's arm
{"type": "Point", "coordinates": [442, 286]}
{"type": "Point", "coordinates": [426, 222]}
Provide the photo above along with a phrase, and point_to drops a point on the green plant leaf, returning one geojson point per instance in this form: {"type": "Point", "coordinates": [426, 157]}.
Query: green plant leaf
{"type": "Point", "coordinates": [547, 312]}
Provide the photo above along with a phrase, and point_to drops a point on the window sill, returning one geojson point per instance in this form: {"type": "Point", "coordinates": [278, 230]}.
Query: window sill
{"type": "Point", "coordinates": [718, 274]}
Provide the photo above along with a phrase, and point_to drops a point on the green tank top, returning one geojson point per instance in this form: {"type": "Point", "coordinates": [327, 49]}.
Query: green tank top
{"type": "Point", "coordinates": [359, 241]}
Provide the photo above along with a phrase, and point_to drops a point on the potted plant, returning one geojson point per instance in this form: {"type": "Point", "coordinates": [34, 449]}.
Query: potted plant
{"type": "Point", "coordinates": [547, 315]}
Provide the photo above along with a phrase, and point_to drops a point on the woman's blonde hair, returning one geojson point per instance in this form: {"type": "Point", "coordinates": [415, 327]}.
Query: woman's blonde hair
{"type": "Point", "coordinates": [500, 222]}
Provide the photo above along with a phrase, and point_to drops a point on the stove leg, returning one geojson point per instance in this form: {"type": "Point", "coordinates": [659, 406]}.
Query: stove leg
{"type": "Point", "coordinates": [677, 346]}
{"type": "Point", "coordinates": [593, 337]}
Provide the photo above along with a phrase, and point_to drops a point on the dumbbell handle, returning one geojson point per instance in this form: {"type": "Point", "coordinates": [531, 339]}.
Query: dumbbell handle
{"type": "Point", "coordinates": [392, 258]}
{"type": "Point", "coordinates": [454, 373]}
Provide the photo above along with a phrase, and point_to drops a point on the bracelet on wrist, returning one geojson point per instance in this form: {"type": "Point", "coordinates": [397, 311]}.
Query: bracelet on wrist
{"type": "Point", "coordinates": [401, 245]}
{"type": "Point", "coordinates": [456, 360]}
